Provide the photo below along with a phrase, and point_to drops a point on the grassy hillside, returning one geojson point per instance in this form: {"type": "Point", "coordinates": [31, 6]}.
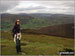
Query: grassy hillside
{"type": "Point", "coordinates": [33, 44]}
{"type": "Point", "coordinates": [30, 21]}
{"type": "Point", "coordinates": [63, 30]}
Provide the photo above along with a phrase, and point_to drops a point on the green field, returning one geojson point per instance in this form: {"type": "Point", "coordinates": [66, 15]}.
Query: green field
{"type": "Point", "coordinates": [35, 44]}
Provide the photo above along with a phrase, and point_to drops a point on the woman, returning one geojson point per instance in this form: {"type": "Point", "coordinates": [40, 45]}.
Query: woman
{"type": "Point", "coordinates": [17, 35]}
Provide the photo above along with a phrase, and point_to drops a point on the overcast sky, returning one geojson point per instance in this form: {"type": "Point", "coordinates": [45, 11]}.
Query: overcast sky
{"type": "Point", "coordinates": [59, 7]}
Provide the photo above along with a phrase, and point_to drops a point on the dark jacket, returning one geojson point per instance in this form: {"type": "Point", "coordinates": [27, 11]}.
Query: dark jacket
{"type": "Point", "coordinates": [16, 29]}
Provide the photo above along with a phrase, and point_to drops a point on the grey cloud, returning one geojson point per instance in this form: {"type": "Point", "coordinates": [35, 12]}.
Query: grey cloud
{"type": "Point", "coordinates": [5, 5]}
{"type": "Point", "coordinates": [68, 3]}
{"type": "Point", "coordinates": [59, 3]}
{"type": "Point", "coordinates": [30, 8]}
{"type": "Point", "coordinates": [8, 5]}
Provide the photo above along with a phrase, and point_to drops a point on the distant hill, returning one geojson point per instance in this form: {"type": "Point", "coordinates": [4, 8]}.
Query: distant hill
{"type": "Point", "coordinates": [8, 20]}
{"type": "Point", "coordinates": [12, 17]}
{"type": "Point", "coordinates": [64, 30]}
{"type": "Point", "coordinates": [34, 20]}
{"type": "Point", "coordinates": [63, 18]}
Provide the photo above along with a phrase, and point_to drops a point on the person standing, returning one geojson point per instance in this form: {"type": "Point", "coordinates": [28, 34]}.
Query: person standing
{"type": "Point", "coordinates": [17, 35]}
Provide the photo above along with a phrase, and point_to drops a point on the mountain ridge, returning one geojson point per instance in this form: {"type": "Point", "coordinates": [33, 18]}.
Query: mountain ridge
{"type": "Point", "coordinates": [29, 21]}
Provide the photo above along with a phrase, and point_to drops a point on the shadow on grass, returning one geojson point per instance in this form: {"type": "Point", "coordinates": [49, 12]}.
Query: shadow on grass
{"type": "Point", "coordinates": [67, 50]}
{"type": "Point", "coordinates": [23, 44]}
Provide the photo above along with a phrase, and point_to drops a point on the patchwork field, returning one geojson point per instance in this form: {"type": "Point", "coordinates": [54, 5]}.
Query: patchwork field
{"type": "Point", "coordinates": [35, 44]}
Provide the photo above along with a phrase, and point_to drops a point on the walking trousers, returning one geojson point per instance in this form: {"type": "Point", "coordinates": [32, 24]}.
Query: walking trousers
{"type": "Point", "coordinates": [18, 46]}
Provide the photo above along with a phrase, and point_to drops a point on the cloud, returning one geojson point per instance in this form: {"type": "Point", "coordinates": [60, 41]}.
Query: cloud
{"type": "Point", "coordinates": [6, 5]}
{"type": "Point", "coordinates": [65, 7]}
